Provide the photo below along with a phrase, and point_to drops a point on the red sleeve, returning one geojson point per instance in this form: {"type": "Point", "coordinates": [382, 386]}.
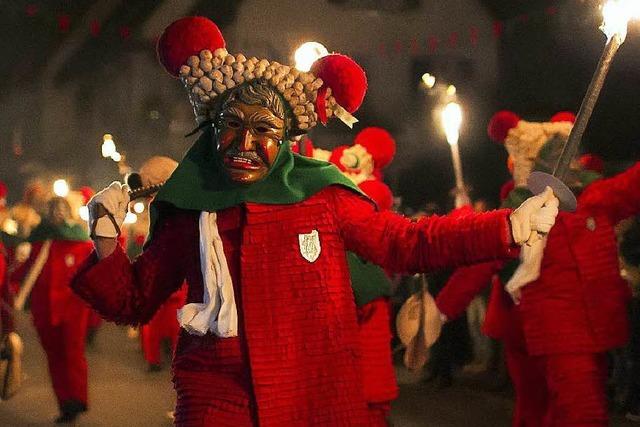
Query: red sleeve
{"type": "Point", "coordinates": [618, 197]}
{"type": "Point", "coordinates": [131, 293]}
{"type": "Point", "coordinates": [463, 286]}
{"type": "Point", "coordinates": [403, 246]}
{"type": "Point", "coordinates": [6, 302]}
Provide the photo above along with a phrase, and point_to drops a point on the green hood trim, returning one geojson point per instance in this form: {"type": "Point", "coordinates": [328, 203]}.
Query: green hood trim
{"type": "Point", "coordinates": [67, 231]}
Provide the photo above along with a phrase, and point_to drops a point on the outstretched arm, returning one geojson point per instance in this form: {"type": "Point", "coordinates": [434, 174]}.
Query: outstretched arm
{"type": "Point", "coordinates": [401, 245]}
{"type": "Point", "coordinates": [131, 293]}
{"type": "Point", "coordinates": [463, 286]}
{"type": "Point", "coordinates": [618, 197]}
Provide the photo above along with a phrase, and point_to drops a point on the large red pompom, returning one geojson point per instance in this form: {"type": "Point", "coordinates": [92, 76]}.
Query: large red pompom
{"type": "Point", "coordinates": [3, 190]}
{"type": "Point", "coordinates": [379, 192]}
{"type": "Point", "coordinates": [564, 116]}
{"type": "Point", "coordinates": [87, 193]}
{"type": "Point", "coordinates": [336, 155]}
{"type": "Point", "coordinates": [345, 77]}
{"type": "Point", "coordinates": [500, 124]}
{"type": "Point", "coordinates": [184, 38]}
{"type": "Point", "coordinates": [506, 188]}
{"type": "Point", "coordinates": [379, 143]}
{"type": "Point", "coordinates": [592, 162]}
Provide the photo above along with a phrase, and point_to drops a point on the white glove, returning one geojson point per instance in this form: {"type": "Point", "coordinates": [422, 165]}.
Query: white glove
{"type": "Point", "coordinates": [115, 200]}
{"type": "Point", "coordinates": [528, 270]}
{"type": "Point", "coordinates": [535, 215]}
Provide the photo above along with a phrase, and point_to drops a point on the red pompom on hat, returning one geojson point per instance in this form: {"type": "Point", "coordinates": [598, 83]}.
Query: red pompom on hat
{"type": "Point", "coordinates": [87, 193]}
{"type": "Point", "coordinates": [379, 143]}
{"type": "Point", "coordinates": [564, 116]}
{"type": "Point", "coordinates": [500, 124]}
{"type": "Point", "coordinates": [184, 38]}
{"type": "Point", "coordinates": [592, 162]}
{"type": "Point", "coordinates": [506, 188]}
{"type": "Point", "coordinates": [346, 79]}
{"type": "Point", "coordinates": [379, 192]}
{"type": "Point", "coordinates": [4, 191]}
{"type": "Point", "coordinates": [336, 155]}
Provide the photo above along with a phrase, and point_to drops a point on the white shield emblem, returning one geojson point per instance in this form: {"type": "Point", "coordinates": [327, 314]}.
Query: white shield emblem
{"type": "Point", "coordinates": [309, 245]}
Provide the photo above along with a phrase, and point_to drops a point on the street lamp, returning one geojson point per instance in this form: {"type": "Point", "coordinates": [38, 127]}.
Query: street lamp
{"type": "Point", "coordinates": [451, 122]}
{"type": "Point", "coordinates": [60, 188]}
{"type": "Point", "coordinates": [307, 54]}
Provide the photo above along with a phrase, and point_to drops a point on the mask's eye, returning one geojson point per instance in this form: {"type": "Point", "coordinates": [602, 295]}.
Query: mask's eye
{"type": "Point", "coordinates": [232, 123]}
{"type": "Point", "coordinates": [263, 129]}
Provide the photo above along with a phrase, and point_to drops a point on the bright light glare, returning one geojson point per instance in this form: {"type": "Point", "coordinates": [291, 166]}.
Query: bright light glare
{"type": "Point", "coordinates": [138, 207]}
{"type": "Point", "coordinates": [451, 122]}
{"type": "Point", "coordinates": [116, 157]}
{"type": "Point", "coordinates": [307, 54]}
{"type": "Point", "coordinates": [451, 90]}
{"type": "Point", "coordinates": [83, 212]}
{"type": "Point", "coordinates": [130, 218]}
{"type": "Point", "coordinates": [108, 146]}
{"type": "Point", "coordinates": [10, 226]}
{"type": "Point", "coordinates": [428, 80]}
{"type": "Point", "coordinates": [616, 15]}
{"type": "Point", "coordinates": [60, 188]}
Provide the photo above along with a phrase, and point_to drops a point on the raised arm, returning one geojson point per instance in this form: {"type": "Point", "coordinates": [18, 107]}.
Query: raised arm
{"type": "Point", "coordinates": [618, 197]}
{"type": "Point", "coordinates": [403, 246]}
{"type": "Point", "coordinates": [131, 293]}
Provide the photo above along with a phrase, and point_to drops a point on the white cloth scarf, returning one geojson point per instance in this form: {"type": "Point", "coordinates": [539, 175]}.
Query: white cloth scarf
{"type": "Point", "coordinates": [217, 313]}
{"type": "Point", "coordinates": [529, 269]}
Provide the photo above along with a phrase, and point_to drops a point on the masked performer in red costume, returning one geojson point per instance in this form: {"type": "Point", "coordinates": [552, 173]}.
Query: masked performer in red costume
{"type": "Point", "coordinates": [60, 317]}
{"type": "Point", "coordinates": [560, 309]}
{"type": "Point", "coordinates": [260, 234]}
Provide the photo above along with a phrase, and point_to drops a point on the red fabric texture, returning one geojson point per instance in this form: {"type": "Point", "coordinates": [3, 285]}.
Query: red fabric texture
{"type": "Point", "coordinates": [563, 116]}
{"type": "Point", "coordinates": [185, 37]}
{"type": "Point", "coordinates": [303, 357]}
{"type": "Point", "coordinates": [60, 317]}
{"type": "Point", "coordinates": [163, 325]}
{"type": "Point", "coordinates": [379, 192]}
{"type": "Point", "coordinates": [375, 341]}
{"type": "Point", "coordinates": [562, 390]}
{"type": "Point", "coordinates": [6, 296]}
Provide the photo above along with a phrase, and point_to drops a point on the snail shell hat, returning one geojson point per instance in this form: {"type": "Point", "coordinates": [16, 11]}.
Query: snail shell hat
{"type": "Point", "coordinates": [193, 50]}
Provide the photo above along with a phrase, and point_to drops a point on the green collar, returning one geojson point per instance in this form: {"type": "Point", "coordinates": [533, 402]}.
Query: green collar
{"type": "Point", "coordinates": [67, 231]}
{"type": "Point", "coordinates": [201, 183]}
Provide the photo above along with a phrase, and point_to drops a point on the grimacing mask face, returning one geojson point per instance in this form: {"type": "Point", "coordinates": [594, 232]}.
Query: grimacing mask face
{"type": "Point", "coordinates": [250, 127]}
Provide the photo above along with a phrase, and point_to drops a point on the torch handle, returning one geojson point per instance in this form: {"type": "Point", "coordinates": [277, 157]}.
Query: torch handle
{"type": "Point", "coordinates": [570, 149]}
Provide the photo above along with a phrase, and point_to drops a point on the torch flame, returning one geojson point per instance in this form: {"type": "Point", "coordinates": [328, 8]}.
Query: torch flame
{"type": "Point", "coordinates": [616, 15]}
{"type": "Point", "coordinates": [451, 122]}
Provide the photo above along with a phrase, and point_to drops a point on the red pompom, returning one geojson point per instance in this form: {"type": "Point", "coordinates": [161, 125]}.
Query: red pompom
{"type": "Point", "coordinates": [500, 124]}
{"type": "Point", "coordinates": [87, 193]}
{"type": "Point", "coordinates": [336, 155]}
{"type": "Point", "coordinates": [379, 143]}
{"type": "Point", "coordinates": [379, 192]}
{"type": "Point", "coordinates": [3, 190]}
{"type": "Point", "coordinates": [184, 38]}
{"type": "Point", "coordinates": [564, 116]}
{"type": "Point", "coordinates": [506, 188]}
{"type": "Point", "coordinates": [345, 77]}
{"type": "Point", "coordinates": [592, 162]}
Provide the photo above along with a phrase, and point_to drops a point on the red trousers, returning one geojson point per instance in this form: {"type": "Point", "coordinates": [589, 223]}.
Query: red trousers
{"type": "Point", "coordinates": [164, 325]}
{"type": "Point", "coordinates": [558, 390]}
{"type": "Point", "coordinates": [64, 344]}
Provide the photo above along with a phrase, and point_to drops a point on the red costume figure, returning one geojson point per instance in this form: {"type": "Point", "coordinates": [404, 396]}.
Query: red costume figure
{"type": "Point", "coordinates": [6, 296]}
{"type": "Point", "coordinates": [269, 335]}
{"type": "Point", "coordinates": [576, 309]}
{"type": "Point", "coordinates": [59, 316]}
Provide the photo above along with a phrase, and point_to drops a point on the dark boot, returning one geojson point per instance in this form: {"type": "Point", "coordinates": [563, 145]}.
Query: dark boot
{"type": "Point", "coordinates": [70, 410]}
